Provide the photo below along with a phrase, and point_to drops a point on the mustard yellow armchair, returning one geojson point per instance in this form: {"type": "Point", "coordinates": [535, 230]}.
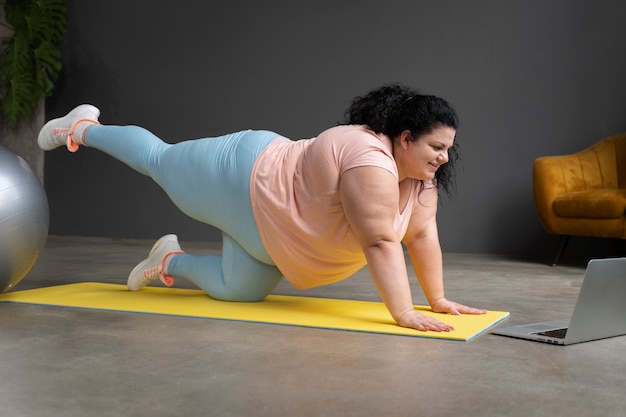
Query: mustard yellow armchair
{"type": "Point", "coordinates": [584, 193]}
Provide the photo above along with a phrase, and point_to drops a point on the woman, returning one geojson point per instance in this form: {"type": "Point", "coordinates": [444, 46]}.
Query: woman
{"type": "Point", "coordinates": [314, 211]}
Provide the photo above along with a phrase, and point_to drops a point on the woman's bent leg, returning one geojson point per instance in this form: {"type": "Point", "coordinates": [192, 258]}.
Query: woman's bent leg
{"type": "Point", "coordinates": [233, 276]}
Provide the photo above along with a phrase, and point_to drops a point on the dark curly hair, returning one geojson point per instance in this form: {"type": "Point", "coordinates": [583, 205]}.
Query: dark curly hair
{"type": "Point", "coordinates": [392, 109]}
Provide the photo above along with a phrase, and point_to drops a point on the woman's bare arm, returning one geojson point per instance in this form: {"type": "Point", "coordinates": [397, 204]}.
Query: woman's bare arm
{"type": "Point", "coordinates": [422, 242]}
{"type": "Point", "coordinates": [370, 199]}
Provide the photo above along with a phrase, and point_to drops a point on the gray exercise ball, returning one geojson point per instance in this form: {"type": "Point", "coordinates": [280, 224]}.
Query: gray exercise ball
{"type": "Point", "coordinates": [24, 218]}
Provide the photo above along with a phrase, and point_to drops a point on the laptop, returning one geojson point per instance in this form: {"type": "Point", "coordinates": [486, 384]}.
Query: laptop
{"type": "Point", "coordinates": [600, 311]}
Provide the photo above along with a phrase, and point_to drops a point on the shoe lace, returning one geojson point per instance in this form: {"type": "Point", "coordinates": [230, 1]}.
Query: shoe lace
{"type": "Point", "coordinates": [60, 131]}
{"type": "Point", "coordinates": [151, 272]}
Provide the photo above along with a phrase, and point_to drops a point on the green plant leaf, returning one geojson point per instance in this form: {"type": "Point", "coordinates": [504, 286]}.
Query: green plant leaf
{"type": "Point", "coordinates": [17, 57]}
{"type": "Point", "coordinates": [47, 20]}
{"type": "Point", "coordinates": [17, 104]}
{"type": "Point", "coordinates": [15, 12]}
{"type": "Point", "coordinates": [47, 65]}
{"type": "Point", "coordinates": [30, 62]}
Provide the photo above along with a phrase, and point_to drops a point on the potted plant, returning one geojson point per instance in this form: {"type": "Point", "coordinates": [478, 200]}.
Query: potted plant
{"type": "Point", "coordinates": [30, 62]}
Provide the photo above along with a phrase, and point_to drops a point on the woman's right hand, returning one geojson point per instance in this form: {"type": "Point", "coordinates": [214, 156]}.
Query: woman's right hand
{"type": "Point", "coordinates": [419, 321]}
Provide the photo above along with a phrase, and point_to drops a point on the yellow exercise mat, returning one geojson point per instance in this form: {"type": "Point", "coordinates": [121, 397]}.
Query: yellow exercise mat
{"type": "Point", "coordinates": [323, 313]}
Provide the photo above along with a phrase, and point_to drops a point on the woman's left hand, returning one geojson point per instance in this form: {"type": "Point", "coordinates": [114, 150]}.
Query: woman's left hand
{"type": "Point", "coordinates": [445, 306]}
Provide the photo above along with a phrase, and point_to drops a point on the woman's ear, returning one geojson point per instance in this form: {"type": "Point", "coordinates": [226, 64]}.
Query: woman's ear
{"type": "Point", "coordinates": [406, 137]}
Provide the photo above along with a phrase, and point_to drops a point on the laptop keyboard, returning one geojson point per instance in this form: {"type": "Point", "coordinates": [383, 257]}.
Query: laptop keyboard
{"type": "Point", "coordinates": [557, 334]}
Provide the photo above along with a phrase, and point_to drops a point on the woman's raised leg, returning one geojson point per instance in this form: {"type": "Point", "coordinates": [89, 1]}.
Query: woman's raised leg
{"type": "Point", "coordinates": [208, 179]}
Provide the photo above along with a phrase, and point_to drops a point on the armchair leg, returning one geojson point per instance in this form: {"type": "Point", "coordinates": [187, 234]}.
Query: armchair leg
{"type": "Point", "coordinates": [563, 241]}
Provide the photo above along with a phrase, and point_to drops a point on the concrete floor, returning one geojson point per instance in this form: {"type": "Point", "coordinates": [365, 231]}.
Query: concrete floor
{"type": "Point", "coordinates": [72, 362]}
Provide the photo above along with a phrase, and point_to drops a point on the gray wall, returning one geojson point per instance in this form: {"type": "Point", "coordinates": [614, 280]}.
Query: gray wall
{"type": "Point", "coordinates": [528, 78]}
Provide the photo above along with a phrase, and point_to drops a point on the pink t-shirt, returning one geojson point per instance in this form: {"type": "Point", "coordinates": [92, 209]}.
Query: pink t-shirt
{"type": "Point", "coordinates": [296, 202]}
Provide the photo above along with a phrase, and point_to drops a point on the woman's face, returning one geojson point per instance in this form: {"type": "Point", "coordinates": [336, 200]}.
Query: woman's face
{"type": "Point", "coordinates": [420, 159]}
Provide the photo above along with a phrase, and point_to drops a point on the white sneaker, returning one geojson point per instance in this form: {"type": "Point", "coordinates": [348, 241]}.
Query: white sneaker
{"type": "Point", "coordinates": [152, 268]}
{"type": "Point", "coordinates": [58, 132]}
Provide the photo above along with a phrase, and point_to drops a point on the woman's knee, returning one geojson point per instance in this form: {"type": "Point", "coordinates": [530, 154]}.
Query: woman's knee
{"type": "Point", "coordinates": [251, 287]}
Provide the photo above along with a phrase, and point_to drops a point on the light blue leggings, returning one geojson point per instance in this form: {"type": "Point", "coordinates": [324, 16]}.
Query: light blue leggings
{"type": "Point", "coordinates": [209, 180]}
